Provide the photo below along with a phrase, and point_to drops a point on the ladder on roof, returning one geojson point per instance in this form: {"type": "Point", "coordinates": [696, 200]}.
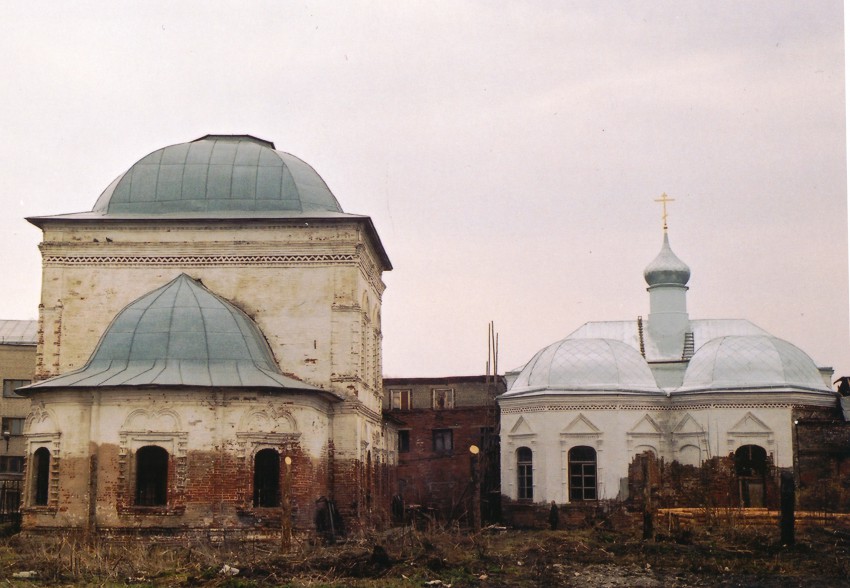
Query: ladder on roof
{"type": "Point", "coordinates": [688, 349]}
{"type": "Point", "coordinates": [640, 336]}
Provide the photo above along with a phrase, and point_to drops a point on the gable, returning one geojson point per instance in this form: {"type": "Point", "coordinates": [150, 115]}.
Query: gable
{"type": "Point", "coordinates": [750, 424]}
{"type": "Point", "coordinates": [581, 425]}
{"type": "Point", "coordinates": [521, 427]}
{"type": "Point", "coordinates": [688, 425]}
{"type": "Point", "coordinates": [646, 425]}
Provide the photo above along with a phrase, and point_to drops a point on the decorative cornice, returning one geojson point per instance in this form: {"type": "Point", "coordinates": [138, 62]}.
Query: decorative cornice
{"type": "Point", "coordinates": [201, 260]}
{"type": "Point", "coordinates": [638, 407]}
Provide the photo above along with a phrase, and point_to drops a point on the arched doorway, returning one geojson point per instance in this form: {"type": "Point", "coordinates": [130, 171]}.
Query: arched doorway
{"type": "Point", "coordinates": [267, 478]}
{"type": "Point", "coordinates": [151, 476]}
{"type": "Point", "coordinates": [41, 483]}
{"type": "Point", "coordinates": [751, 470]}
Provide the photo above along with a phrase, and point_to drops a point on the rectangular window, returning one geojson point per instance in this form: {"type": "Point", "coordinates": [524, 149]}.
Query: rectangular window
{"type": "Point", "coordinates": [10, 385]}
{"type": "Point", "coordinates": [442, 440]}
{"type": "Point", "coordinates": [11, 464]}
{"type": "Point", "coordinates": [403, 441]}
{"type": "Point", "coordinates": [444, 398]}
{"type": "Point", "coordinates": [486, 438]}
{"type": "Point", "coordinates": [13, 426]}
{"type": "Point", "coordinates": [399, 399]}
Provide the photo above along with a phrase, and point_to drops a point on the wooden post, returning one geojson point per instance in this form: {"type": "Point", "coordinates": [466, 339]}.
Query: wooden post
{"type": "Point", "coordinates": [476, 489]}
{"type": "Point", "coordinates": [286, 508]}
{"type": "Point", "coordinates": [786, 506]}
{"type": "Point", "coordinates": [648, 527]}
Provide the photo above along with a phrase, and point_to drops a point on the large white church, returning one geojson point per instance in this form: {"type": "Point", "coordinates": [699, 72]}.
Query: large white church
{"type": "Point", "coordinates": [683, 389]}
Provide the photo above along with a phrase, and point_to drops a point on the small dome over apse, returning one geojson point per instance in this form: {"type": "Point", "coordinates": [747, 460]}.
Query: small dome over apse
{"type": "Point", "coordinates": [582, 365]}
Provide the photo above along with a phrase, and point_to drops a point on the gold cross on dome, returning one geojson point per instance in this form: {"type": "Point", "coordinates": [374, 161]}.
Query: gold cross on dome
{"type": "Point", "coordinates": [664, 200]}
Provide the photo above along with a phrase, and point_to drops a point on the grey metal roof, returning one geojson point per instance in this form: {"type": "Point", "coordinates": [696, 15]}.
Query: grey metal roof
{"type": "Point", "coordinates": [218, 174]}
{"type": "Point", "coordinates": [578, 365]}
{"type": "Point", "coordinates": [752, 361]}
{"type": "Point", "coordinates": [15, 332]}
{"type": "Point", "coordinates": [180, 335]}
{"type": "Point", "coordinates": [704, 330]}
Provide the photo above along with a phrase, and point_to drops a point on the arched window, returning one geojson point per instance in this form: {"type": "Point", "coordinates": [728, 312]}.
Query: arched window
{"type": "Point", "coordinates": [524, 474]}
{"type": "Point", "coordinates": [582, 472]}
{"type": "Point", "coordinates": [41, 467]}
{"type": "Point", "coordinates": [151, 476]}
{"type": "Point", "coordinates": [267, 478]}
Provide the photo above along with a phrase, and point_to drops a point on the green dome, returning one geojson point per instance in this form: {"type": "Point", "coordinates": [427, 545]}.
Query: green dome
{"type": "Point", "coordinates": [180, 334]}
{"type": "Point", "coordinates": [223, 174]}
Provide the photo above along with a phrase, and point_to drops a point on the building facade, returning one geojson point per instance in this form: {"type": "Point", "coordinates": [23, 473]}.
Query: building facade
{"type": "Point", "coordinates": [438, 420]}
{"type": "Point", "coordinates": [209, 330]}
{"type": "Point", "coordinates": [17, 363]}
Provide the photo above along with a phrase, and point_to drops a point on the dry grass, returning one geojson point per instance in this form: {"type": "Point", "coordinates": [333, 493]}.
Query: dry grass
{"type": "Point", "coordinates": [720, 555]}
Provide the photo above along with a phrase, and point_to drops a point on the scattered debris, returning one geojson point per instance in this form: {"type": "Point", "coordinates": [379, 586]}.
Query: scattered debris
{"type": "Point", "coordinates": [25, 575]}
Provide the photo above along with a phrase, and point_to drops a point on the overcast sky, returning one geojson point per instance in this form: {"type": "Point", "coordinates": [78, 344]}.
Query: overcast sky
{"type": "Point", "coordinates": [509, 153]}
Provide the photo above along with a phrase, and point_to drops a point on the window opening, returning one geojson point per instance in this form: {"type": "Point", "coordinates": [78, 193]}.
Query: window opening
{"type": "Point", "coordinates": [403, 441]}
{"type": "Point", "coordinates": [41, 466]}
{"type": "Point", "coordinates": [524, 474]}
{"type": "Point", "coordinates": [151, 476]}
{"type": "Point", "coordinates": [582, 472]}
{"type": "Point", "coordinates": [444, 398]}
{"type": "Point", "coordinates": [13, 426]}
{"type": "Point", "coordinates": [12, 464]}
{"type": "Point", "coordinates": [9, 387]}
{"type": "Point", "coordinates": [267, 478]}
{"type": "Point", "coordinates": [400, 399]}
{"type": "Point", "coordinates": [442, 440]}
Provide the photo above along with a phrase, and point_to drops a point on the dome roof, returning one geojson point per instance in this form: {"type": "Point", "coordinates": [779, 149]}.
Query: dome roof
{"type": "Point", "coordinates": [751, 361]}
{"type": "Point", "coordinates": [218, 174]}
{"type": "Point", "coordinates": [666, 268]}
{"type": "Point", "coordinates": [181, 334]}
{"type": "Point", "coordinates": [585, 365]}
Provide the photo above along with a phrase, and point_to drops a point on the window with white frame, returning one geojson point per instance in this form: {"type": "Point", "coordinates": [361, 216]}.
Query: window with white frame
{"type": "Point", "coordinates": [524, 474]}
{"type": "Point", "coordinates": [399, 399]}
{"type": "Point", "coordinates": [582, 472]}
{"type": "Point", "coordinates": [443, 398]}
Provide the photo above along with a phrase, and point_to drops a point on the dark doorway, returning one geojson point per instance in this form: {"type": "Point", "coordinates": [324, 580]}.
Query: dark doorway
{"type": "Point", "coordinates": [266, 478]}
{"type": "Point", "coordinates": [151, 476]}
{"type": "Point", "coordinates": [41, 466]}
{"type": "Point", "coordinates": [751, 469]}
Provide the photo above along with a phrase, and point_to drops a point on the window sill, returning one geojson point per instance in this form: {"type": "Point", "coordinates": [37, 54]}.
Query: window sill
{"type": "Point", "coordinates": [152, 510]}
{"type": "Point", "coordinates": [39, 510]}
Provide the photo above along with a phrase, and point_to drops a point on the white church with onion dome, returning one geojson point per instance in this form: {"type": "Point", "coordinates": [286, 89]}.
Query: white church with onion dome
{"type": "Point", "coordinates": [582, 408]}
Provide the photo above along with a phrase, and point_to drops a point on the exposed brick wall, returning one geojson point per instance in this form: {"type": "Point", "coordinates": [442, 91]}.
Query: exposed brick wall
{"type": "Point", "coordinates": [713, 484]}
{"type": "Point", "coordinates": [823, 459]}
{"type": "Point", "coordinates": [441, 480]}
